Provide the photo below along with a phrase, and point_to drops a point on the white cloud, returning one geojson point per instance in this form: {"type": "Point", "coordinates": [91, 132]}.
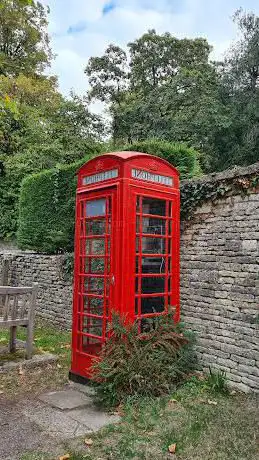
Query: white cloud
{"type": "Point", "coordinates": [126, 22]}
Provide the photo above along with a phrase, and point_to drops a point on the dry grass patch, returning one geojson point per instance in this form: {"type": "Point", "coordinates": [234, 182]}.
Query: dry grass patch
{"type": "Point", "coordinates": [21, 382]}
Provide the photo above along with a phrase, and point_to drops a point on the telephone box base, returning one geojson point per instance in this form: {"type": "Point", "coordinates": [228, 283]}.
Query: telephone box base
{"type": "Point", "coordinates": [78, 378]}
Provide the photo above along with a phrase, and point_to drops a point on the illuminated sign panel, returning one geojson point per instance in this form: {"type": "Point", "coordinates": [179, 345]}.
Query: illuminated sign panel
{"type": "Point", "coordinates": [151, 177]}
{"type": "Point", "coordinates": [99, 177]}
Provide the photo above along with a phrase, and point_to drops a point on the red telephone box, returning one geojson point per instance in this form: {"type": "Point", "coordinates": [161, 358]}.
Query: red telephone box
{"type": "Point", "coordinates": [126, 248]}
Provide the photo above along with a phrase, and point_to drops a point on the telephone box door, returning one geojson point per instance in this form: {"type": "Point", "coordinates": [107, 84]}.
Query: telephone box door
{"type": "Point", "coordinates": [94, 276]}
{"type": "Point", "coordinates": [156, 254]}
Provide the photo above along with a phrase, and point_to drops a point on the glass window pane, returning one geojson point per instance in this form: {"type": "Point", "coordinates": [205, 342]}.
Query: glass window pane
{"type": "Point", "coordinates": [153, 225]}
{"type": "Point", "coordinates": [92, 325]}
{"type": "Point", "coordinates": [95, 227]}
{"type": "Point", "coordinates": [153, 265]}
{"type": "Point", "coordinates": [153, 284]}
{"type": "Point", "coordinates": [94, 341]}
{"type": "Point", "coordinates": [152, 305]}
{"type": "Point", "coordinates": [93, 285]}
{"type": "Point", "coordinates": [95, 207]}
{"type": "Point", "coordinates": [153, 245]}
{"type": "Point", "coordinates": [137, 244]}
{"type": "Point", "coordinates": [95, 265]}
{"type": "Point", "coordinates": [93, 305]}
{"type": "Point", "coordinates": [95, 246]}
{"type": "Point", "coordinates": [169, 227]}
{"type": "Point", "coordinates": [136, 305]}
{"type": "Point", "coordinates": [154, 206]}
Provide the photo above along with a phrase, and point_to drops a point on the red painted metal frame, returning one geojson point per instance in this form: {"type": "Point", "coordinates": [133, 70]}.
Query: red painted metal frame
{"type": "Point", "coordinates": [124, 191]}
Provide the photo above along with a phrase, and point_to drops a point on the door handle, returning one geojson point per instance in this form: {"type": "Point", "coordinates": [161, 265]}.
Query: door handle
{"type": "Point", "coordinates": [112, 280]}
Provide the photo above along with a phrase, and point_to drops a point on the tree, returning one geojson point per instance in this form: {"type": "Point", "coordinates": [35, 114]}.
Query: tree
{"type": "Point", "coordinates": [24, 42]}
{"type": "Point", "coordinates": [173, 92]}
{"type": "Point", "coordinates": [157, 59]}
{"type": "Point", "coordinates": [241, 67]}
{"type": "Point", "coordinates": [240, 89]}
{"type": "Point", "coordinates": [39, 129]}
{"type": "Point", "coordinates": [157, 64]}
{"type": "Point", "coordinates": [108, 75]}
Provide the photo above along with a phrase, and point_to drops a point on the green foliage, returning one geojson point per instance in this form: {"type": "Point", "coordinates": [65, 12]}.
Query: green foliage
{"type": "Point", "coordinates": [46, 219]}
{"type": "Point", "coordinates": [24, 42]}
{"type": "Point", "coordinates": [217, 381]}
{"type": "Point", "coordinates": [107, 85]}
{"type": "Point", "coordinates": [184, 158]}
{"type": "Point", "coordinates": [195, 193]}
{"type": "Point", "coordinates": [155, 59]}
{"type": "Point", "coordinates": [41, 130]}
{"type": "Point", "coordinates": [146, 364]}
{"type": "Point", "coordinates": [67, 266]}
{"type": "Point", "coordinates": [39, 229]}
{"type": "Point", "coordinates": [168, 89]}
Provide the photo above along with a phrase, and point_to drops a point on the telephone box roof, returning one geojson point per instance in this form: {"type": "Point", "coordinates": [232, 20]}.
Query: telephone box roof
{"type": "Point", "coordinates": [128, 155]}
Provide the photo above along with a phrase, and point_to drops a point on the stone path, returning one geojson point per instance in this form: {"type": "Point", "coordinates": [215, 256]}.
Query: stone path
{"type": "Point", "coordinates": [46, 423]}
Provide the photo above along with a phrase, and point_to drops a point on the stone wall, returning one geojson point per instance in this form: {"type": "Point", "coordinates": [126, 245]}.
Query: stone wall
{"type": "Point", "coordinates": [219, 282]}
{"type": "Point", "coordinates": [54, 301]}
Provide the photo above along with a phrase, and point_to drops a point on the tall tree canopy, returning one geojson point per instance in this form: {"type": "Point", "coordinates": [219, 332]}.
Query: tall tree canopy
{"type": "Point", "coordinates": [167, 88]}
{"type": "Point", "coordinates": [24, 42]}
{"type": "Point", "coordinates": [39, 127]}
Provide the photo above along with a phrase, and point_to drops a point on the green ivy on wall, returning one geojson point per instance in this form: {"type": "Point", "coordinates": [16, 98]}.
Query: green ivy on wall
{"type": "Point", "coordinates": [195, 193]}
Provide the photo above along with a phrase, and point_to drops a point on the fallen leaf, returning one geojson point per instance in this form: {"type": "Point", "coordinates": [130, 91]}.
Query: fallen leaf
{"type": "Point", "coordinates": [233, 393]}
{"type": "Point", "coordinates": [59, 366]}
{"type": "Point", "coordinates": [88, 442]}
{"type": "Point", "coordinates": [1, 392]}
{"type": "Point", "coordinates": [20, 371]}
{"type": "Point", "coordinates": [213, 403]}
{"type": "Point", "coordinates": [172, 448]}
{"type": "Point", "coordinates": [64, 457]}
{"type": "Point", "coordinates": [120, 410]}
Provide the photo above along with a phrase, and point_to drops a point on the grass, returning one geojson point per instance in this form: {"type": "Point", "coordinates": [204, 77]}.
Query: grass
{"type": "Point", "coordinates": [21, 382]}
{"type": "Point", "coordinates": [204, 425]}
{"type": "Point", "coordinates": [203, 422]}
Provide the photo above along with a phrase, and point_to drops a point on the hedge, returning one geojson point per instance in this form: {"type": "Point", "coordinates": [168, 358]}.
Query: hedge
{"type": "Point", "coordinates": [46, 210]}
{"type": "Point", "coordinates": [47, 199]}
{"type": "Point", "coordinates": [184, 158]}
{"type": "Point", "coordinates": [14, 168]}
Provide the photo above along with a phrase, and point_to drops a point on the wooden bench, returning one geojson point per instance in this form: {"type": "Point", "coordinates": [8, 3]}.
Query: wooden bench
{"type": "Point", "coordinates": [17, 308]}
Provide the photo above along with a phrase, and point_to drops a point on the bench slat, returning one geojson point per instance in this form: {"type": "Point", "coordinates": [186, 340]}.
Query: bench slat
{"type": "Point", "coordinates": [13, 322]}
{"type": "Point", "coordinates": [6, 308]}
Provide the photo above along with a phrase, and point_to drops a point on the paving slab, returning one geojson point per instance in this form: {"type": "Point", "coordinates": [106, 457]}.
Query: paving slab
{"type": "Point", "coordinates": [66, 399]}
{"type": "Point", "coordinates": [55, 422]}
{"type": "Point", "coordinates": [93, 418]}
{"type": "Point", "coordinates": [18, 434]}
{"type": "Point", "coordinates": [86, 389]}
{"type": "Point", "coordinates": [37, 425]}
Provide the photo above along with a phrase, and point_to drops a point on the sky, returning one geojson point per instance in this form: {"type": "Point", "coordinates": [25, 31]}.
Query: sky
{"type": "Point", "coordinates": [80, 29]}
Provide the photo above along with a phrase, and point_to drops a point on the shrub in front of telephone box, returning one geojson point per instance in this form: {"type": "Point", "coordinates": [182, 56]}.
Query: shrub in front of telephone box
{"type": "Point", "coordinates": [147, 363]}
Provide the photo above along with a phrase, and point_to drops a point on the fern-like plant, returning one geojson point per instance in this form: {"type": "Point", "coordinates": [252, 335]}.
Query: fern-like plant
{"type": "Point", "coordinates": [147, 364]}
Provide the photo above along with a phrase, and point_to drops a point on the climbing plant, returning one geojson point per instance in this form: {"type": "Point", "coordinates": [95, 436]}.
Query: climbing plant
{"type": "Point", "coordinates": [195, 193]}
